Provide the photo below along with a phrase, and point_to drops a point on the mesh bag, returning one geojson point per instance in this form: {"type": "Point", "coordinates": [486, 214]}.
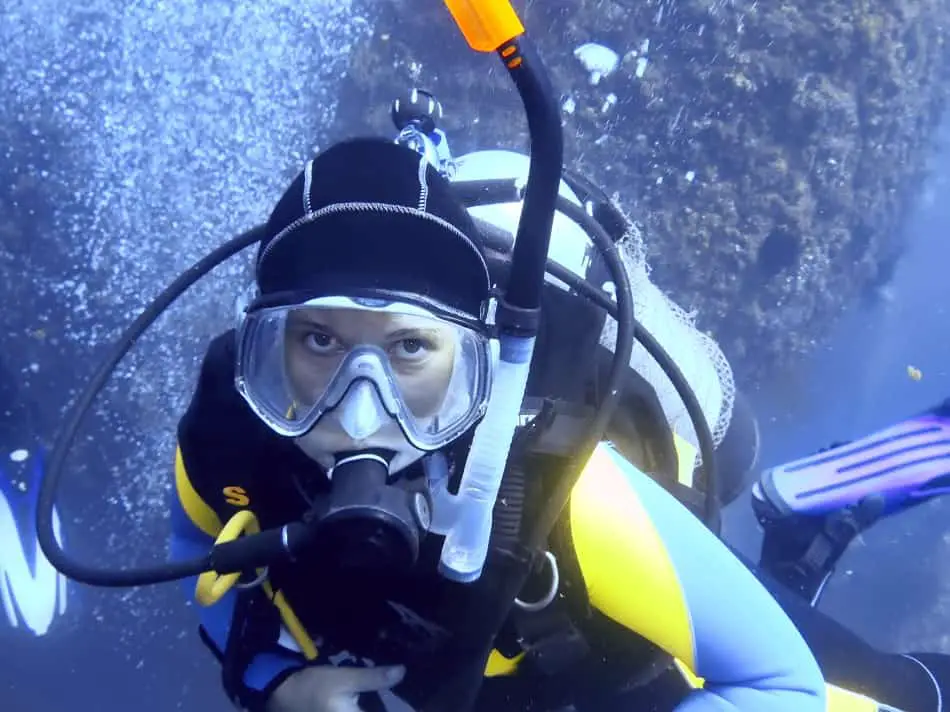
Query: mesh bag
{"type": "Point", "coordinates": [696, 353]}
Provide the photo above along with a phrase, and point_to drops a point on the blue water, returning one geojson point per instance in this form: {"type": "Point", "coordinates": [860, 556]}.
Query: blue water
{"type": "Point", "coordinates": [856, 382]}
{"type": "Point", "coordinates": [890, 585]}
{"type": "Point", "coordinates": [120, 651]}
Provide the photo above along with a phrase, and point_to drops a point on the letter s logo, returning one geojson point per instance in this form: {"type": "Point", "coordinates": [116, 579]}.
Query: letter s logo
{"type": "Point", "coordinates": [32, 591]}
{"type": "Point", "coordinates": [236, 496]}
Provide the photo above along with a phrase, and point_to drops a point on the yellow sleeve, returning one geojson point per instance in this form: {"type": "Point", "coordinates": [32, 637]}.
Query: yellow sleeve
{"type": "Point", "coordinates": [654, 568]}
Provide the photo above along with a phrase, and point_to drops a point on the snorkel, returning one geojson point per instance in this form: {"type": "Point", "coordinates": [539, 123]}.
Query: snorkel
{"type": "Point", "coordinates": [494, 27]}
{"type": "Point", "coordinates": [489, 26]}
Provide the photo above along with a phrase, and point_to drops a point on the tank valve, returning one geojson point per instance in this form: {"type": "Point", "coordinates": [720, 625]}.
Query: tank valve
{"type": "Point", "coordinates": [418, 108]}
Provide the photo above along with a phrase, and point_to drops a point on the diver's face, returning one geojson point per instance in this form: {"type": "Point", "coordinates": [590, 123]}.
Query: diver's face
{"type": "Point", "coordinates": [421, 352]}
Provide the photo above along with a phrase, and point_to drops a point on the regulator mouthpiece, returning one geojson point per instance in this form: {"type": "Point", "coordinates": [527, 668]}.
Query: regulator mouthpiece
{"type": "Point", "coordinates": [370, 522]}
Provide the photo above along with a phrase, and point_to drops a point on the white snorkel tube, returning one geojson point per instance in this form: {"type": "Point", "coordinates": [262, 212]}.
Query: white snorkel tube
{"type": "Point", "coordinates": [466, 518]}
{"type": "Point", "coordinates": [466, 542]}
{"type": "Point", "coordinates": [518, 309]}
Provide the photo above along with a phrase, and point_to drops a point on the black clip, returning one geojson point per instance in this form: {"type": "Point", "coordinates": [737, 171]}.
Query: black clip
{"type": "Point", "coordinates": [809, 572]}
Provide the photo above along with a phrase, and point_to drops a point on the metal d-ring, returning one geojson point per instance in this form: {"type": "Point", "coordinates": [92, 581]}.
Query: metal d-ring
{"type": "Point", "coordinates": [548, 598]}
{"type": "Point", "coordinates": [261, 578]}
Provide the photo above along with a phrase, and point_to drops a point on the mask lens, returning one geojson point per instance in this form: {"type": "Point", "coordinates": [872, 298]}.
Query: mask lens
{"type": "Point", "coordinates": [296, 364]}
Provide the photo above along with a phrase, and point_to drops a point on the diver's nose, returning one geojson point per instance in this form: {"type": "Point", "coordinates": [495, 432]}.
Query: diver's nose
{"type": "Point", "coordinates": [361, 414]}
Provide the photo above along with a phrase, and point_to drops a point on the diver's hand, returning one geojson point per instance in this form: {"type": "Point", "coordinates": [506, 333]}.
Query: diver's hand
{"type": "Point", "coordinates": [326, 688]}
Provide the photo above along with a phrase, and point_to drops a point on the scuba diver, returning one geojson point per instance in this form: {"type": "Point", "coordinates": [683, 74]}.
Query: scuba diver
{"type": "Point", "coordinates": [387, 497]}
{"type": "Point", "coordinates": [348, 393]}
{"type": "Point", "coordinates": [307, 388]}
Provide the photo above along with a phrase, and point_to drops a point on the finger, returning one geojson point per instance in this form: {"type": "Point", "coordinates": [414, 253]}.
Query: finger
{"type": "Point", "coordinates": [369, 679]}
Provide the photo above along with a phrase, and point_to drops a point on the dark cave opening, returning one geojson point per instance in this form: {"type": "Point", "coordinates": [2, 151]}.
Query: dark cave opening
{"type": "Point", "coordinates": [778, 252]}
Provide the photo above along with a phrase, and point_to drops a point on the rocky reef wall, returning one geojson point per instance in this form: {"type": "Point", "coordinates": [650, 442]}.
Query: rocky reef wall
{"type": "Point", "coordinates": [769, 150]}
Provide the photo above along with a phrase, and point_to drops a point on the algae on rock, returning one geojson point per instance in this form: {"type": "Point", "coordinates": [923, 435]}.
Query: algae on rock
{"type": "Point", "coordinates": [770, 151]}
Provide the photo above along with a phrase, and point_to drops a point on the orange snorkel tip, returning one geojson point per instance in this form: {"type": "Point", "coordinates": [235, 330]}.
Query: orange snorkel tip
{"type": "Point", "coordinates": [485, 24]}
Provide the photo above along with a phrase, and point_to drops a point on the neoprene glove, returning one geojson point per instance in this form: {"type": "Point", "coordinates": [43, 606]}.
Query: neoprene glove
{"type": "Point", "coordinates": [326, 688]}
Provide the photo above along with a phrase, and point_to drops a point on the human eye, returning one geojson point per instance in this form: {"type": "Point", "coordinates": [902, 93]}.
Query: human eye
{"type": "Point", "coordinates": [319, 342]}
{"type": "Point", "coordinates": [412, 348]}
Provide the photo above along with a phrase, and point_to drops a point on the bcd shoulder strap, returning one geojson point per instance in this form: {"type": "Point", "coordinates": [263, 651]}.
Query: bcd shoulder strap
{"type": "Point", "coordinates": [572, 646]}
{"type": "Point", "coordinates": [255, 627]}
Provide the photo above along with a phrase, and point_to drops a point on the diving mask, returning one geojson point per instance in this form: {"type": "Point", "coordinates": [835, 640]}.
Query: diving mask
{"type": "Point", "coordinates": [345, 374]}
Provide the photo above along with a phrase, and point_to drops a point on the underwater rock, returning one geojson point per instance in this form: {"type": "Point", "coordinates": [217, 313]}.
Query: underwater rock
{"type": "Point", "coordinates": [600, 61]}
{"type": "Point", "coordinates": [769, 151]}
